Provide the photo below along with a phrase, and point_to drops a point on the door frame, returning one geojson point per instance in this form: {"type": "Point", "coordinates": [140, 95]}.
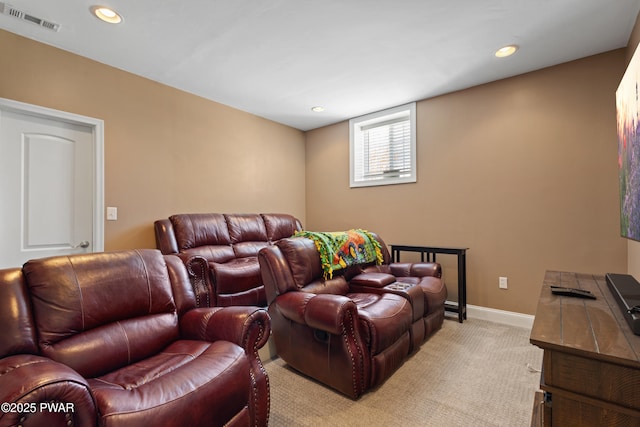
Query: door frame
{"type": "Point", "coordinates": [97, 128]}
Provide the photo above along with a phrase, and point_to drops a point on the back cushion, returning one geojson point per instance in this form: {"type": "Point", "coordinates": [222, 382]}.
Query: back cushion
{"type": "Point", "coordinates": [17, 332]}
{"type": "Point", "coordinates": [303, 259]}
{"type": "Point", "coordinates": [247, 232]}
{"type": "Point", "coordinates": [280, 226]}
{"type": "Point", "coordinates": [101, 311]}
{"type": "Point", "coordinates": [246, 228]}
{"type": "Point", "coordinates": [194, 230]}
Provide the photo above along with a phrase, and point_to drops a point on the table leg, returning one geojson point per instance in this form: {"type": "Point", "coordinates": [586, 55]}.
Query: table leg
{"type": "Point", "coordinates": [462, 286]}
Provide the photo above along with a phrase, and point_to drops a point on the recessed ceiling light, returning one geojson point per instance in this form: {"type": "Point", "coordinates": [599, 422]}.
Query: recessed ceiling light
{"type": "Point", "coordinates": [505, 51]}
{"type": "Point", "coordinates": [317, 109]}
{"type": "Point", "coordinates": [106, 14]}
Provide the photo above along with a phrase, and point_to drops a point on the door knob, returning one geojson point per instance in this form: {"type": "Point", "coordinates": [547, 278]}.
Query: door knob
{"type": "Point", "coordinates": [83, 244]}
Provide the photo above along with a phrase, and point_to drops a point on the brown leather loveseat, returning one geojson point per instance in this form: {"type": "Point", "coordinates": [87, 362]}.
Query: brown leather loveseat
{"type": "Point", "coordinates": [117, 339]}
{"type": "Point", "coordinates": [229, 243]}
{"type": "Point", "coordinates": [352, 330]}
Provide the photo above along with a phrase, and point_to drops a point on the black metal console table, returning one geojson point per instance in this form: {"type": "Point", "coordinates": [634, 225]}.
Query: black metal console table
{"type": "Point", "coordinates": [428, 254]}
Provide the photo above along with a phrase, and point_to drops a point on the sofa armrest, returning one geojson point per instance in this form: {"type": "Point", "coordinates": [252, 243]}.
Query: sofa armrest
{"type": "Point", "coordinates": [418, 269]}
{"type": "Point", "coordinates": [200, 277]}
{"type": "Point", "coordinates": [249, 327]}
{"type": "Point", "coordinates": [330, 313]}
{"type": "Point", "coordinates": [326, 312]}
{"type": "Point", "coordinates": [165, 237]}
{"type": "Point", "coordinates": [39, 391]}
{"type": "Point", "coordinates": [372, 280]}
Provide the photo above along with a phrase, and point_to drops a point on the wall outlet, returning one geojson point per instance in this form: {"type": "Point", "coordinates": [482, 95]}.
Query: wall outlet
{"type": "Point", "coordinates": [502, 283]}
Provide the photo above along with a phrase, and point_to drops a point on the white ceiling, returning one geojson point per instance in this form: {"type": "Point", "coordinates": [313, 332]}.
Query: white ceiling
{"type": "Point", "coordinates": [279, 58]}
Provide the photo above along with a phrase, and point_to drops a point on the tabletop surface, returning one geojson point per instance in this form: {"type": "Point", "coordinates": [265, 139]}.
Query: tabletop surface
{"type": "Point", "coordinates": [594, 328]}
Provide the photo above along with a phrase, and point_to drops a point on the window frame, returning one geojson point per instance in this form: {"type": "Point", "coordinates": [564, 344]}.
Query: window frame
{"type": "Point", "coordinates": [380, 117]}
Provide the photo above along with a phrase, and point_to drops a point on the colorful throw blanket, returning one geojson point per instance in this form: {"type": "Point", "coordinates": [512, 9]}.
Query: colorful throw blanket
{"type": "Point", "coordinates": [340, 249]}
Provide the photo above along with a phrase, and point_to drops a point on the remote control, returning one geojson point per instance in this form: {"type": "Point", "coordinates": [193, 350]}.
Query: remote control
{"type": "Point", "coordinates": [572, 292]}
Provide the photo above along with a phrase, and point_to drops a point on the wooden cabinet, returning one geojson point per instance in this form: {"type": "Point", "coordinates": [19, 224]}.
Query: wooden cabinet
{"type": "Point", "coordinates": [591, 363]}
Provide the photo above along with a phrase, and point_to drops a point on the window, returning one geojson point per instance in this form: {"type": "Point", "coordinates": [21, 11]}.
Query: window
{"type": "Point", "coordinates": [383, 147]}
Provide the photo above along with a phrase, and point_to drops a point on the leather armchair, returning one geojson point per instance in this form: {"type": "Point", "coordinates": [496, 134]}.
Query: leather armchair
{"type": "Point", "coordinates": [350, 332]}
{"type": "Point", "coordinates": [351, 337]}
{"type": "Point", "coordinates": [230, 244]}
{"type": "Point", "coordinates": [119, 339]}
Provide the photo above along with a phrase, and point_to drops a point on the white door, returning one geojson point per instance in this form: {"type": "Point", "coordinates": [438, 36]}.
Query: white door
{"type": "Point", "coordinates": [48, 185]}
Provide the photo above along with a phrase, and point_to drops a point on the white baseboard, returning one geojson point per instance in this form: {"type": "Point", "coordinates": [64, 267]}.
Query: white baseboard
{"type": "Point", "coordinates": [500, 316]}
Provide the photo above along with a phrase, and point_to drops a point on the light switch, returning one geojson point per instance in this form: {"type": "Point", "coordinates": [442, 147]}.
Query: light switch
{"type": "Point", "coordinates": [112, 213]}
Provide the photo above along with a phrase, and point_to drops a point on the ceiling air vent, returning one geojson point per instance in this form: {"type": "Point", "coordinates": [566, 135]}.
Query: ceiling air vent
{"type": "Point", "coordinates": [7, 9]}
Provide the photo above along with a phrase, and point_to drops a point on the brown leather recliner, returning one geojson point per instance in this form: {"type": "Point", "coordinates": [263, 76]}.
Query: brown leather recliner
{"type": "Point", "coordinates": [230, 244]}
{"type": "Point", "coordinates": [117, 339]}
{"type": "Point", "coordinates": [350, 332]}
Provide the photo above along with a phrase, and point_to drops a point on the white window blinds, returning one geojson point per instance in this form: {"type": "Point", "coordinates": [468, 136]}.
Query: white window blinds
{"type": "Point", "coordinates": [383, 147]}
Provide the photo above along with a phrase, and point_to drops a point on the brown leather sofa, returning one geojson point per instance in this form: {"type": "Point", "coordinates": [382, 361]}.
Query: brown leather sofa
{"type": "Point", "coordinates": [117, 339]}
{"type": "Point", "coordinates": [230, 244]}
{"type": "Point", "coordinates": [352, 331]}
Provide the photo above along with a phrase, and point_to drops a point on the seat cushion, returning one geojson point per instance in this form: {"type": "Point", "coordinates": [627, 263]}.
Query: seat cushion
{"type": "Point", "coordinates": [210, 379]}
{"type": "Point", "coordinates": [385, 318]}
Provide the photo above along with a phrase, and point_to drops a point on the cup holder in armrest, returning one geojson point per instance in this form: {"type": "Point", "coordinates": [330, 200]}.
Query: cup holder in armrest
{"type": "Point", "coordinates": [399, 286]}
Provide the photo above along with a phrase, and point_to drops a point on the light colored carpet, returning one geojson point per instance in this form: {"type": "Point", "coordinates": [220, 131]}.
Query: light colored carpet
{"type": "Point", "coordinates": [476, 374]}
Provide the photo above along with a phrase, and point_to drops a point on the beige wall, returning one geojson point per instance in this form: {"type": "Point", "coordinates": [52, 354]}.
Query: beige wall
{"type": "Point", "coordinates": [522, 171]}
{"type": "Point", "coordinates": [166, 151]}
